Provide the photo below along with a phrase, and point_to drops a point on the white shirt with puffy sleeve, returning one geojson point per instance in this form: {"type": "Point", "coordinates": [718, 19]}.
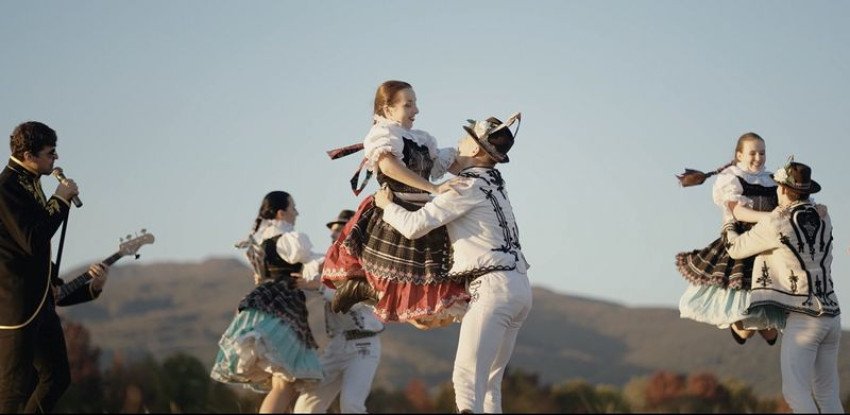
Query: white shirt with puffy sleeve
{"type": "Point", "coordinates": [292, 246]}
{"type": "Point", "coordinates": [385, 136]}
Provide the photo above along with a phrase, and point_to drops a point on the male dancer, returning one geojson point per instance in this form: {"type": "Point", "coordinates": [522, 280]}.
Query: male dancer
{"type": "Point", "coordinates": [351, 357]}
{"type": "Point", "coordinates": [485, 240]}
{"type": "Point", "coordinates": [792, 272]}
{"type": "Point", "coordinates": [34, 368]}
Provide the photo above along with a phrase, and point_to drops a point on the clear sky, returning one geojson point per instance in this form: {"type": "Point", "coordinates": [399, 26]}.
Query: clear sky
{"type": "Point", "coordinates": [179, 116]}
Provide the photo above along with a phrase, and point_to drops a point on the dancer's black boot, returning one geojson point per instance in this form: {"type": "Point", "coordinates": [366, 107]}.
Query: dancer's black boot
{"type": "Point", "coordinates": [351, 292]}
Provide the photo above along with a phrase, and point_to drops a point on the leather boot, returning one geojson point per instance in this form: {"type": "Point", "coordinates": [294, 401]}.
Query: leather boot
{"type": "Point", "coordinates": [351, 292]}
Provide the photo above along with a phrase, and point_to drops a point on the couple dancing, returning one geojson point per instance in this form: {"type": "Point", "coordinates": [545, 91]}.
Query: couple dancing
{"type": "Point", "coordinates": [434, 261]}
{"type": "Point", "coordinates": [770, 271]}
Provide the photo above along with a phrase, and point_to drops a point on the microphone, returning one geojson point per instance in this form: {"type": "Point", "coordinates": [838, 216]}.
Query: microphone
{"type": "Point", "coordinates": [57, 173]}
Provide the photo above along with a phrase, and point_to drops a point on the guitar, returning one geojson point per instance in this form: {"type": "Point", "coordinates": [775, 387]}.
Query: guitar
{"type": "Point", "coordinates": [128, 246]}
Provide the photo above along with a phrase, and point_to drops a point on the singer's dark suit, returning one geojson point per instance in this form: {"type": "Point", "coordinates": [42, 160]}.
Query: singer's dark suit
{"type": "Point", "coordinates": [33, 360]}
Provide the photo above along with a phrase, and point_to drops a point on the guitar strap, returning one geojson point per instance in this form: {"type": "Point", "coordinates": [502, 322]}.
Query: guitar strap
{"type": "Point", "coordinates": [55, 276]}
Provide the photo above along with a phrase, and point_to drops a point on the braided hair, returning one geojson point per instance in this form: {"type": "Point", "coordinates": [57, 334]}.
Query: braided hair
{"type": "Point", "coordinates": [693, 177]}
{"type": "Point", "coordinates": [272, 202]}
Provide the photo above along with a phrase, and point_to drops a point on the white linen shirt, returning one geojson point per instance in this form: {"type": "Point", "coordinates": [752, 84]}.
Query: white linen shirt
{"type": "Point", "coordinates": [479, 220]}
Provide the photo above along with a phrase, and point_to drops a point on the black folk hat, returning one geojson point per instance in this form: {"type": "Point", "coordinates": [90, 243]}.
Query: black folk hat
{"type": "Point", "coordinates": [342, 218]}
{"type": "Point", "coordinates": [797, 177]}
{"type": "Point", "coordinates": [486, 134]}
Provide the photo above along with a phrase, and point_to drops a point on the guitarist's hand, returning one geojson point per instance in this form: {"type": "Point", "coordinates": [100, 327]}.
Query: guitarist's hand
{"type": "Point", "coordinates": [98, 271]}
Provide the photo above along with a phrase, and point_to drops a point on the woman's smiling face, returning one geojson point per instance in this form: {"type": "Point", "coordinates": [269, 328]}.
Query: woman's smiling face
{"type": "Point", "coordinates": [403, 109]}
{"type": "Point", "coordinates": [752, 155]}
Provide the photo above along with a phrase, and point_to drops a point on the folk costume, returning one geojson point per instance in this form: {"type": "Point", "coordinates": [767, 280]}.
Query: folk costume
{"type": "Point", "coordinates": [409, 276]}
{"type": "Point", "coordinates": [718, 291]}
{"type": "Point", "coordinates": [270, 335]}
{"type": "Point", "coordinates": [792, 273]}
{"type": "Point", "coordinates": [488, 255]}
{"type": "Point", "coordinates": [349, 360]}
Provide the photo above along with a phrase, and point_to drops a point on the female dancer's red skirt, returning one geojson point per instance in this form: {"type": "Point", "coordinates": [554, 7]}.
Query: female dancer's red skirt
{"type": "Point", "coordinates": [410, 276]}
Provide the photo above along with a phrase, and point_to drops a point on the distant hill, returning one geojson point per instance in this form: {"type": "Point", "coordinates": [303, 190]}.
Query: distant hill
{"type": "Point", "coordinates": [164, 308]}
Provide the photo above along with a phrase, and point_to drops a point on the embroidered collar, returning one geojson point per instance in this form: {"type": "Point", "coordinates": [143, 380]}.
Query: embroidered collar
{"type": "Point", "coordinates": [762, 177]}
{"type": "Point", "coordinates": [19, 166]}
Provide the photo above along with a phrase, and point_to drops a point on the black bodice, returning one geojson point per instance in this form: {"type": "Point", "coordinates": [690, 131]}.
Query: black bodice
{"type": "Point", "coordinates": [269, 265]}
{"type": "Point", "coordinates": [417, 158]}
{"type": "Point", "coordinates": [763, 197]}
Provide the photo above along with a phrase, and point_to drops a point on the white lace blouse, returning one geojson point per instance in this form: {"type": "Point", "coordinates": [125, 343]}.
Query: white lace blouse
{"type": "Point", "coordinates": [385, 136]}
{"type": "Point", "coordinates": [727, 187]}
{"type": "Point", "coordinates": [292, 246]}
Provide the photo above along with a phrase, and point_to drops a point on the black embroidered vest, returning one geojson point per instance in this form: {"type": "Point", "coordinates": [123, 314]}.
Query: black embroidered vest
{"type": "Point", "coordinates": [764, 200]}
{"type": "Point", "coordinates": [417, 158]}
{"type": "Point", "coordinates": [269, 265]}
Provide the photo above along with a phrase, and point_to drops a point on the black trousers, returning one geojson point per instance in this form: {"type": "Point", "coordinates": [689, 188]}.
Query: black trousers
{"type": "Point", "coordinates": [34, 369]}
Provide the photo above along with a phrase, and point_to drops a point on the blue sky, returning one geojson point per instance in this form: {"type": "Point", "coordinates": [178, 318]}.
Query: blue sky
{"type": "Point", "coordinates": [179, 116]}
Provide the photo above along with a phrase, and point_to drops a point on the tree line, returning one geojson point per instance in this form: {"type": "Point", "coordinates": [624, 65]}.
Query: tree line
{"type": "Point", "coordinates": [180, 383]}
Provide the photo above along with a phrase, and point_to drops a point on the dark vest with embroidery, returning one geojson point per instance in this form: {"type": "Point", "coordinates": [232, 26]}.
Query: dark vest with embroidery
{"type": "Point", "coordinates": [417, 158]}
{"type": "Point", "coordinates": [764, 200]}
{"type": "Point", "coordinates": [268, 264]}
{"type": "Point", "coordinates": [277, 294]}
{"type": "Point", "coordinates": [763, 197]}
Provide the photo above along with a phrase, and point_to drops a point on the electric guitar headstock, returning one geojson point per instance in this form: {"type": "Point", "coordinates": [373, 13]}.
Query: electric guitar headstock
{"type": "Point", "coordinates": [130, 245]}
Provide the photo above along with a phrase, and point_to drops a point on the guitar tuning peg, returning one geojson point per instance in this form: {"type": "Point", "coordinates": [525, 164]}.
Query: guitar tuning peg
{"type": "Point", "coordinates": [129, 236]}
{"type": "Point", "coordinates": [144, 230]}
{"type": "Point", "coordinates": [137, 256]}
{"type": "Point", "coordinates": [121, 240]}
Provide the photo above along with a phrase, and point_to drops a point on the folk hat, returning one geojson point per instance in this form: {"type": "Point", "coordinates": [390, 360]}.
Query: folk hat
{"type": "Point", "coordinates": [495, 145]}
{"type": "Point", "coordinates": [342, 218]}
{"type": "Point", "coordinates": [797, 177]}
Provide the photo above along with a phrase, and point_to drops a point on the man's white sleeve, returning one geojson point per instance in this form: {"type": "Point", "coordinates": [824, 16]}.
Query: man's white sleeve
{"type": "Point", "coordinates": [445, 208]}
{"type": "Point", "coordinates": [762, 237]}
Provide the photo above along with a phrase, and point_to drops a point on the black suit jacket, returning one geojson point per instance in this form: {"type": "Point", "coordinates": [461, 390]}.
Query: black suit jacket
{"type": "Point", "coordinates": [82, 294]}
{"type": "Point", "coordinates": [27, 223]}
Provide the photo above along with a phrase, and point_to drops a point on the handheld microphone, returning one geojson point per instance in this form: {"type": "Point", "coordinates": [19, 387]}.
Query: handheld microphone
{"type": "Point", "coordinates": [57, 173]}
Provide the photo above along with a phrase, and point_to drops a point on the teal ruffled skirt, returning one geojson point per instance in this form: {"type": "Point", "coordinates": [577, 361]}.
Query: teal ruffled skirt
{"type": "Point", "coordinates": [257, 346]}
{"type": "Point", "coordinates": [721, 307]}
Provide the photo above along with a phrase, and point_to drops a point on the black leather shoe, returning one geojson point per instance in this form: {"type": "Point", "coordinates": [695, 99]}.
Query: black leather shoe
{"type": "Point", "coordinates": [770, 340]}
{"type": "Point", "coordinates": [737, 338]}
{"type": "Point", "coordinates": [352, 292]}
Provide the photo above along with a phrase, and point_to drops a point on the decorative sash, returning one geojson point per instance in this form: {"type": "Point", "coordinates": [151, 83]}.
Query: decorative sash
{"type": "Point", "coordinates": [348, 150]}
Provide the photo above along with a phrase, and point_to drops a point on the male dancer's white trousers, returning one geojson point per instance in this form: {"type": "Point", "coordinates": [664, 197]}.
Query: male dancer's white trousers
{"type": "Point", "coordinates": [500, 304]}
{"type": "Point", "coordinates": [809, 361]}
{"type": "Point", "coordinates": [349, 367]}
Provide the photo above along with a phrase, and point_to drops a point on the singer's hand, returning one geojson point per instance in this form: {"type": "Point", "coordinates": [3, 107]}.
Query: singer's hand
{"type": "Point", "coordinates": [67, 189]}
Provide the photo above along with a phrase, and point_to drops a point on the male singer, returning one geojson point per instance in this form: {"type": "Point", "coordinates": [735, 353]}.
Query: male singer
{"type": "Point", "coordinates": [34, 368]}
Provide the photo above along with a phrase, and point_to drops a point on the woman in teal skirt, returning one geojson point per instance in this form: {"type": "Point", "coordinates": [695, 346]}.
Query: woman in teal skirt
{"type": "Point", "coordinates": [268, 346]}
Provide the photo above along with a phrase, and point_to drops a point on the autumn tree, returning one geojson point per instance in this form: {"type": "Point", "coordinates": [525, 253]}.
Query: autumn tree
{"type": "Point", "coordinates": [417, 395]}
{"type": "Point", "coordinates": [663, 389]}
{"type": "Point", "coordinates": [523, 392]}
{"type": "Point", "coordinates": [86, 389]}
